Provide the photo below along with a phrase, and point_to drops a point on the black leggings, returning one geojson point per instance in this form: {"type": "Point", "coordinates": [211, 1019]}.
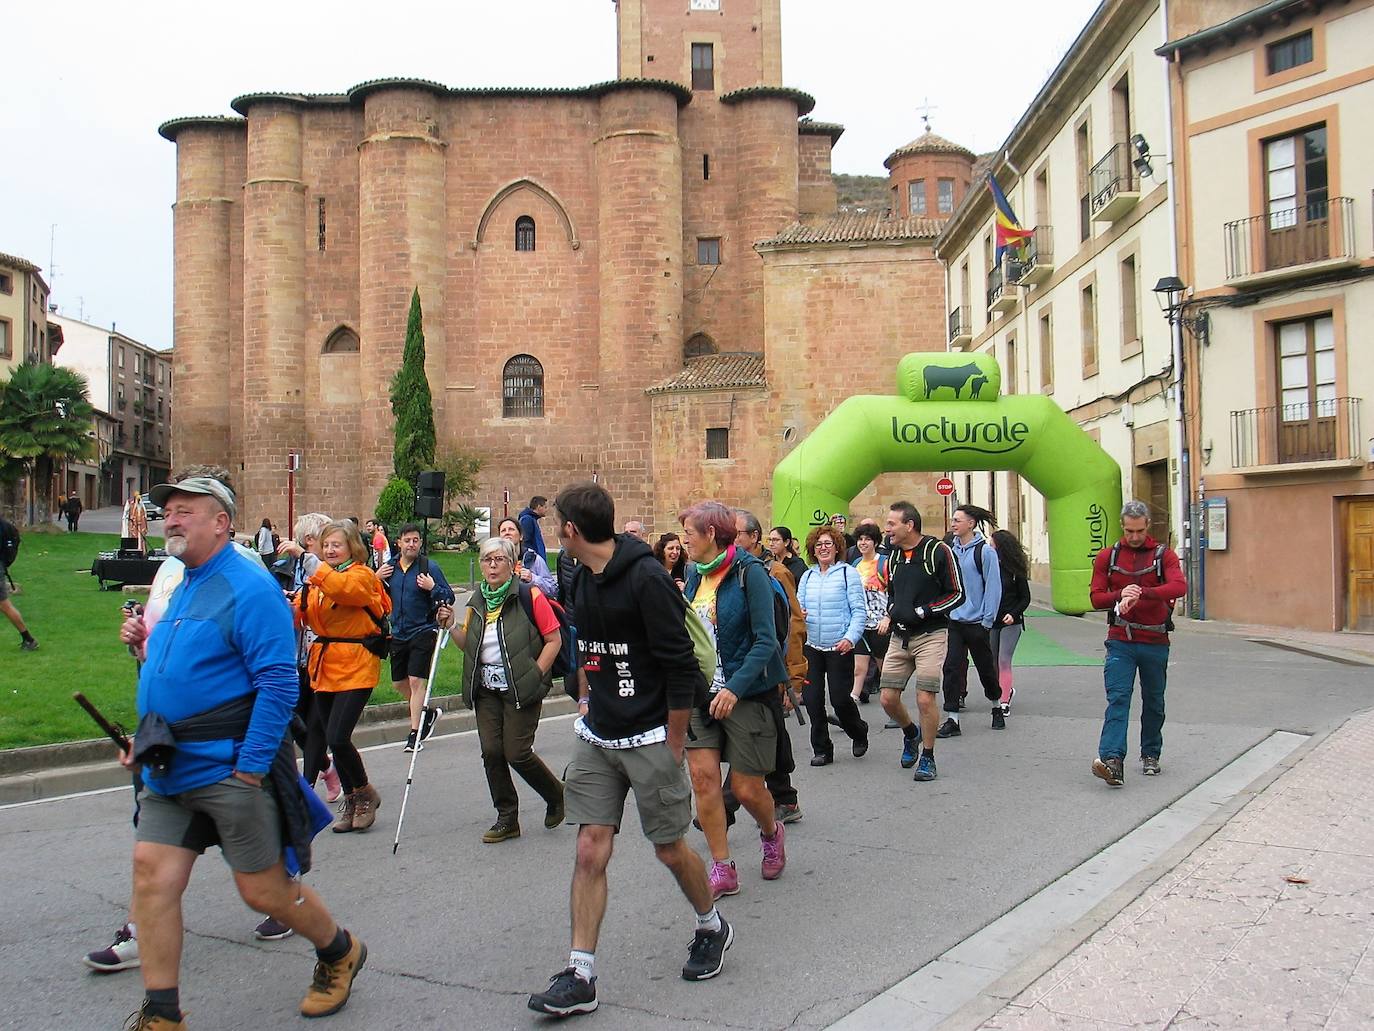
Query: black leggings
{"type": "Point", "coordinates": [838, 671]}
{"type": "Point", "coordinates": [338, 713]}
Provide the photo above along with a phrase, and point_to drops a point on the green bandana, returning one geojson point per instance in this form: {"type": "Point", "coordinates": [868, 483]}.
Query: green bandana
{"type": "Point", "coordinates": [496, 596]}
{"type": "Point", "coordinates": [707, 568]}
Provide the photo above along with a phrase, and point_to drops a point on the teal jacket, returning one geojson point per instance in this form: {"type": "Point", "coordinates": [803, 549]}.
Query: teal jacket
{"type": "Point", "coordinates": [746, 638]}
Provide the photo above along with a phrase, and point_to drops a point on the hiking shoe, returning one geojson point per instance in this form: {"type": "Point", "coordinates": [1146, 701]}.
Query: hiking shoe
{"type": "Point", "coordinates": [787, 813]}
{"type": "Point", "coordinates": [29, 646]}
{"type": "Point", "coordinates": [366, 801]}
{"type": "Point", "coordinates": [553, 815]}
{"type": "Point", "coordinates": [774, 852]}
{"type": "Point", "coordinates": [121, 954]}
{"type": "Point", "coordinates": [729, 819]}
{"type": "Point", "coordinates": [925, 769]}
{"type": "Point", "coordinates": [999, 718]}
{"type": "Point", "coordinates": [567, 995]}
{"type": "Point", "coordinates": [822, 760]}
{"type": "Point", "coordinates": [271, 930]}
{"type": "Point", "coordinates": [1149, 765]}
{"type": "Point", "coordinates": [1109, 770]}
{"type": "Point", "coordinates": [501, 830]}
{"type": "Point", "coordinates": [343, 815]}
{"type": "Point", "coordinates": [428, 718]}
{"type": "Point", "coordinates": [333, 982]}
{"type": "Point", "coordinates": [724, 879]}
{"type": "Point", "coordinates": [949, 728]}
{"type": "Point", "coordinates": [145, 1021]}
{"type": "Point", "coordinates": [412, 744]}
{"type": "Point", "coordinates": [706, 954]}
{"type": "Point", "coordinates": [911, 750]}
{"type": "Point", "coordinates": [332, 787]}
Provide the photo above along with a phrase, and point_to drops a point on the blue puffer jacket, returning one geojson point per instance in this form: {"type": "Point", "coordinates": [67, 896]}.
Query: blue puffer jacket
{"type": "Point", "coordinates": [746, 638]}
{"type": "Point", "coordinates": [834, 604]}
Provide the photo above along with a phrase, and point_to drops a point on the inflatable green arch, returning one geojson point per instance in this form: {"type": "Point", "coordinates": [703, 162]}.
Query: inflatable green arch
{"type": "Point", "coordinates": [949, 415]}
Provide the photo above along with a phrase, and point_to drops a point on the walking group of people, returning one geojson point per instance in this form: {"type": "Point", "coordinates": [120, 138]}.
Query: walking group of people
{"type": "Point", "coordinates": [688, 657]}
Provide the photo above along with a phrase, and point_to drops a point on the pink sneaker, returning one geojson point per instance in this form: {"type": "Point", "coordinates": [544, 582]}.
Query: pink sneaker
{"type": "Point", "coordinates": [724, 879]}
{"type": "Point", "coordinates": [332, 788]}
{"type": "Point", "coordinates": [774, 854]}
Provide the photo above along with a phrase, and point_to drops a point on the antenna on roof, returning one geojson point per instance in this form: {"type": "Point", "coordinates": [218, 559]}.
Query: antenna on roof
{"type": "Point", "coordinates": [925, 109]}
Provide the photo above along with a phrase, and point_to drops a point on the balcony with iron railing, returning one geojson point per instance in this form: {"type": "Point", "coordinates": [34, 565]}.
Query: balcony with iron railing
{"type": "Point", "coordinates": [1291, 243]}
{"type": "Point", "coordinates": [1001, 291]}
{"type": "Point", "coordinates": [1036, 262]}
{"type": "Point", "coordinates": [960, 326]}
{"type": "Point", "coordinates": [1289, 437]}
{"type": "Point", "coordinates": [1113, 184]}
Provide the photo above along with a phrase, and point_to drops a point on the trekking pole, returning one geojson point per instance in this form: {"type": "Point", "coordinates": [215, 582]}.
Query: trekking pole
{"type": "Point", "coordinates": [410, 774]}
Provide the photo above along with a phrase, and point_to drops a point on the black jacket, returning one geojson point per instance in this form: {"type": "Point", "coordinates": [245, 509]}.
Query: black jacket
{"type": "Point", "coordinates": [632, 643]}
{"type": "Point", "coordinates": [1016, 598]}
{"type": "Point", "coordinates": [926, 578]}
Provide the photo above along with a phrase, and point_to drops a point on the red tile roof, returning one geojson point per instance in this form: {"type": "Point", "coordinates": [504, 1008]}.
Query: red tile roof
{"type": "Point", "coordinates": [856, 228]}
{"type": "Point", "coordinates": [727, 371]}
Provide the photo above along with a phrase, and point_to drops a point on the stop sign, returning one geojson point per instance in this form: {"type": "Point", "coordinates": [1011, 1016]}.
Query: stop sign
{"type": "Point", "coordinates": [944, 486]}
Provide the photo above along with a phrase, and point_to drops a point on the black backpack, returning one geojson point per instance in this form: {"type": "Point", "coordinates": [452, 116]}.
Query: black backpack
{"type": "Point", "coordinates": [565, 664]}
{"type": "Point", "coordinates": [9, 542]}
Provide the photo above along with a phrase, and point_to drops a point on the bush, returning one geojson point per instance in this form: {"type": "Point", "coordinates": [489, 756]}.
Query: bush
{"type": "Point", "coordinates": [396, 504]}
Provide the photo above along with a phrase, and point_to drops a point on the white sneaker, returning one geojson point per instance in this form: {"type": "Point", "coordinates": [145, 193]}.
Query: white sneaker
{"type": "Point", "coordinates": [121, 954]}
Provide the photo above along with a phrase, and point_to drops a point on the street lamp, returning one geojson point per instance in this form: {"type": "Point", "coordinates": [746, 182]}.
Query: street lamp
{"type": "Point", "coordinates": [1169, 292]}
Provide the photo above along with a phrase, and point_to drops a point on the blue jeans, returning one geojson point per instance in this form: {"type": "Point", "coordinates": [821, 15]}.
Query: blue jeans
{"type": "Point", "coordinates": [1124, 660]}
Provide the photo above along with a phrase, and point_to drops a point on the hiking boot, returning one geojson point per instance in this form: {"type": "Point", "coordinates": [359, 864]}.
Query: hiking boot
{"type": "Point", "coordinates": [332, 787]}
{"type": "Point", "coordinates": [366, 802]}
{"type": "Point", "coordinates": [271, 930]}
{"type": "Point", "coordinates": [1149, 765]}
{"type": "Point", "coordinates": [706, 954]}
{"type": "Point", "coordinates": [729, 819]}
{"type": "Point", "coordinates": [911, 750]}
{"type": "Point", "coordinates": [121, 954]}
{"type": "Point", "coordinates": [333, 982]}
{"type": "Point", "coordinates": [724, 879]}
{"type": "Point", "coordinates": [925, 769]}
{"type": "Point", "coordinates": [28, 646]}
{"type": "Point", "coordinates": [553, 815]}
{"type": "Point", "coordinates": [822, 760]}
{"type": "Point", "coordinates": [999, 718]}
{"type": "Point", "coordinates": [774, 852]}
{"type": "Point", "coordinates": [787, 813]}
{"type": "Point", "coordinates": [502, 830]}
{"type": "Point", "coordinates": [567, 994]}
{"type": "Point", "coordinates": [343, 819]}
{"type": "Point", "coordinates": [949, 728]}
{"type": "Point", "coordinates": [412, 744]}
{"type": "Point", "coordinates": [145, 1021]}
{"type": "Point", "coordinates": [1109, 770]}
{"type": "Point", "coordinates": [428, 718]}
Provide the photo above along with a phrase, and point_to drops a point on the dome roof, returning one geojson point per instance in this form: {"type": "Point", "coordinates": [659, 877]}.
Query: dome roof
{"type": "Point", "coordinates": [928, 143]}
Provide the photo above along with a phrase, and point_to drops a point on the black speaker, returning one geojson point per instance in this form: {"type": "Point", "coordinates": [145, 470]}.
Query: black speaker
{"type": "Point", "coordinates": [429, 495]}
{"type": "Point", "coordinates": [128, 544]}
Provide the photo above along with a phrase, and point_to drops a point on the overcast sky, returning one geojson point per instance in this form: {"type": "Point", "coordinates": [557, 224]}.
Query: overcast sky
{"type": "Point", "coordinates": [87, 84]}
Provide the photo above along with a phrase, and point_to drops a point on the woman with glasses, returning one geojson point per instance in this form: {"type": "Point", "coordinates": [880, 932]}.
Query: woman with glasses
{"type": "Point", "coordinates": [508, 656]}
{"type": "Point", "coordinates": [832, 598]}
{"type": "Point", "coordinates": [784, 549]}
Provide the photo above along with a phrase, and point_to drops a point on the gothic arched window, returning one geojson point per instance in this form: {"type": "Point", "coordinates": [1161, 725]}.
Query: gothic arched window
{"type": "Point", "coordinates": [524, 233]}
{"type": "Point", "coordinates": [522, 388]}
{"type": "Point", "coordinates": [698, 345]}
{"type": "Point", "coordinates": [341, 340]}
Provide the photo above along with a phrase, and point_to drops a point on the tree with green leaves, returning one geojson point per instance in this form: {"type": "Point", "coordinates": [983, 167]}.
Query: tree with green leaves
{"type": "Point", "coordinates": [460, 469]}
{"type": "Point", "coordinates": [45, 418]}
{"type": "Point", "coordinates": [411, 402]}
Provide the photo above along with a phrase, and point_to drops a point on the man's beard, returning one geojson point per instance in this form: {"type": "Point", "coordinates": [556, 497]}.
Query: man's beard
{"type": "Point", "coordinates": [175, 546]}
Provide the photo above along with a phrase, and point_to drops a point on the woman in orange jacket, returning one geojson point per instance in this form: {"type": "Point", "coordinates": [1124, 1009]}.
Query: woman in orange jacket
{"type": "Point", "coordinates": [345, 605]}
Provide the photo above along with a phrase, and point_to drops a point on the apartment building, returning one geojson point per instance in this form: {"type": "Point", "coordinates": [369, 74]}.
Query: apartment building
{"type": "Point", "coordinates": [1273, 174]}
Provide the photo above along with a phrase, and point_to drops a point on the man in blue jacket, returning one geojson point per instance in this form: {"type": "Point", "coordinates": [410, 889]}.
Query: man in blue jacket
{"type": "Point", "coordinates": [219, 668]}
{"type": "Point", "coordinates": [531, 537]}
{"type": "Point", "coordinates": [970, 625]}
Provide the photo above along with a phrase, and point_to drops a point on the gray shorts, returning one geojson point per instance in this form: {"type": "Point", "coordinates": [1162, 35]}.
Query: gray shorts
{"type": "Point", "coordinates": [239, 818]}
{"type": "Point", "coordinates": [747, 739]}
{"type": "Point", "coordinates": [598, 779]}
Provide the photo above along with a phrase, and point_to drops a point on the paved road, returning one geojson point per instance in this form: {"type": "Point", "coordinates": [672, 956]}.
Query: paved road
{"type": "Point", "coordinates": [884, 874]}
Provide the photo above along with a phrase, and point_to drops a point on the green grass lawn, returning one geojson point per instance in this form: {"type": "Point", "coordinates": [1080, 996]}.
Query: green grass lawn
{"type": "Point", "coordinates": [77, 626]}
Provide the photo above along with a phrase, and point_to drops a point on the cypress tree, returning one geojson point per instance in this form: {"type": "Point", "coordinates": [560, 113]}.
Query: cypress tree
{"type": "Point", "coordinates": [411, 402]}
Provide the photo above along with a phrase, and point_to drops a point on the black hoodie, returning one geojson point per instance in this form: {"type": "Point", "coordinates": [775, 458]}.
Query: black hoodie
{"type": "Point", "coordinates": [632, 643]}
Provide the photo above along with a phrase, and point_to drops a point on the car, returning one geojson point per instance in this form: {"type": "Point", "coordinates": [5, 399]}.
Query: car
{"type": "Point", "coordinates": [151, 510]}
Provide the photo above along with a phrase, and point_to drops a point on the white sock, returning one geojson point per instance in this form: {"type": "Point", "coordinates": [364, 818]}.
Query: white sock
{"type": "Point", "coordinates": [133, 930]}
{"type": "Point", "coordinates": [583, 963]}
{"type": "Point", "coordinates": [953, 715]}
{"type": "Point", "coordinates": [709, 921]}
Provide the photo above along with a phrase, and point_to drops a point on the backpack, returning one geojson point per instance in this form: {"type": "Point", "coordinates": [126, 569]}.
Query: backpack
{"type": "Point", "coordinates": [1157, 568]}
{"type": "Point", "coordinates": [565, 662]}
{"type": "Point", "coordinates": [782, 610]}
{"type": "Point", "coordinates": [9, 542]}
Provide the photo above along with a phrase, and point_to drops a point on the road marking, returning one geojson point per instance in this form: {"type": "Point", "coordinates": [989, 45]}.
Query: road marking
{"type": "Point", "coordinates": [957, 977]}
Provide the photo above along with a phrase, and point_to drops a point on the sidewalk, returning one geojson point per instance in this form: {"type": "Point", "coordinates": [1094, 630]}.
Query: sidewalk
{"type": "Point", "coordinates": [1267, 924]}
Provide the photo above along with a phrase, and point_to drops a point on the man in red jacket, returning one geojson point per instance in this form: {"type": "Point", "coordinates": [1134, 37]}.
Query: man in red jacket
{"type": "Point", "coordinates": [1137, 581]}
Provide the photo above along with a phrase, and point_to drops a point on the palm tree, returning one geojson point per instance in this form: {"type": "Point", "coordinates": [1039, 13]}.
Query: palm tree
{"type": "Point", "coordinates": [45, 418]}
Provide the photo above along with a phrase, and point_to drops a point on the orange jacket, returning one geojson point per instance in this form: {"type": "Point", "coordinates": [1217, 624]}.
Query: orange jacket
{"type": "Point", "coordinates": [336, 604]}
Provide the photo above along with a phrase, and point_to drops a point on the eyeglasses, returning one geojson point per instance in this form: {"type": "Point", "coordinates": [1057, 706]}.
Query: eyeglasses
{"type": "Point", "coordinates": [824, 544]}
{"type": "Point", "coordinates": [494, 560]}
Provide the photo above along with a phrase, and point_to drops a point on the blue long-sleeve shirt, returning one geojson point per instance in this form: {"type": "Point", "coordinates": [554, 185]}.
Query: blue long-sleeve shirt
{"type": "Point", "coordinates": [227, 632]}
{"type": "Point", "coordinates": [982, 594]}
{"type": "Point", "coordinates": [412, 608]}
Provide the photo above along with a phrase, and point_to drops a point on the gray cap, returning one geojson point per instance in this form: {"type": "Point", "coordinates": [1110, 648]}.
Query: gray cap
{"type": "Point", "coordinates": [162, 492]}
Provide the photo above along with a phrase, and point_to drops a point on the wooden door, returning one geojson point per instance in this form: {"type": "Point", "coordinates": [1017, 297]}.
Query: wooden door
{"type": "Point", "coordinates": [1359, 562]}
{"type": "Point", "coordinates": [1296, 194]}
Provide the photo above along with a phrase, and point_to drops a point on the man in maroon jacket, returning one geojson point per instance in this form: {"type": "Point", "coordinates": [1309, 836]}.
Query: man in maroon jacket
{"type": "Point", "coordinates": [1137, 581]}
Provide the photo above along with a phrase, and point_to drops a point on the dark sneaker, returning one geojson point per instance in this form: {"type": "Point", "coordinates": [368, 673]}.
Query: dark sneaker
{"type": "Point", "coordinates": [1109, 770]}
{"type": "Point", "coordinates": [501, 830]}
{"type": "Point", "coordinates": [833, 720]}
{"type": "Point", "coordinates": [428, 718]}
{"type": "Point", "coordinates": [860, 748]}
{"type": "Point", "coordinates": [553, 815]}
{"type": "Point", "coordinates": [1149, 765]}
{"type": "Point", "coordinates": [911, 749]}
{"type": "Point", "coordinates": [333, 982]}
{"type": "Point", "coordinates": [412, 742]}
{"type": "Point", "coordinates": [822, 760]}
{"type": "Point", "coordinates": [272, 931]}
{"type": "Point", "coordinates": [706, 954]}
{"type": "Point", "coordinates": [121, 954]}
{"type": "Point", "coordinates": [787, 813]}
{"type": "Point", "coordinates": [145, 1021]}
{"type": "Point", "coordinates": [949, 728]}
{"type": "Point", "coordinates": [566, 996]}
{"type": "Point", "coordinates": [999, 718]}
{"type": "Point", "coordinates": [925, 769]}
{"type": "Point", "coordinates": [28, 646]}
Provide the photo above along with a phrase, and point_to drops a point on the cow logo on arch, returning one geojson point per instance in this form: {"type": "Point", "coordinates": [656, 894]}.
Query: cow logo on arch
{"type": "Point", "coordinates": [985, 436]}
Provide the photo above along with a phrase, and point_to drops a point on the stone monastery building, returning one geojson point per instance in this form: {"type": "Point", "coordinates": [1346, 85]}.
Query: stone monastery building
{"type": "Point", "coordinates": [644, 279]}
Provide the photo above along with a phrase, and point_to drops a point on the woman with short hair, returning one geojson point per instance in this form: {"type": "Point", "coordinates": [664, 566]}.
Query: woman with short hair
{"type": "Point", "coordinates": [832, 598]}
{"type": "Point", "coordinates": [530, 567]}
{"type": "Point", "coordinates": [669, 551]}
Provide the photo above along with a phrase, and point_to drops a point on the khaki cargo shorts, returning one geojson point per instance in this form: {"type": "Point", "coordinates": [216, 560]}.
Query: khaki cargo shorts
{"type": "Point", "coordinates": [598, 779]}
{"type": "Point", "coordinates": [747, 739]}
{"type": "Point", "coordinates": [920, 660]}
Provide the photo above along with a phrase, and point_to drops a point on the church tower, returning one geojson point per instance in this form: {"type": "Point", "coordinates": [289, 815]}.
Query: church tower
{"type": "Point", "coordinates": [736, 43]}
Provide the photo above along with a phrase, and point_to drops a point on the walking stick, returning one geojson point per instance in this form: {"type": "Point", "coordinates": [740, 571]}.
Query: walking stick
{"type": "Point", "coordinates": [410, 774]}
